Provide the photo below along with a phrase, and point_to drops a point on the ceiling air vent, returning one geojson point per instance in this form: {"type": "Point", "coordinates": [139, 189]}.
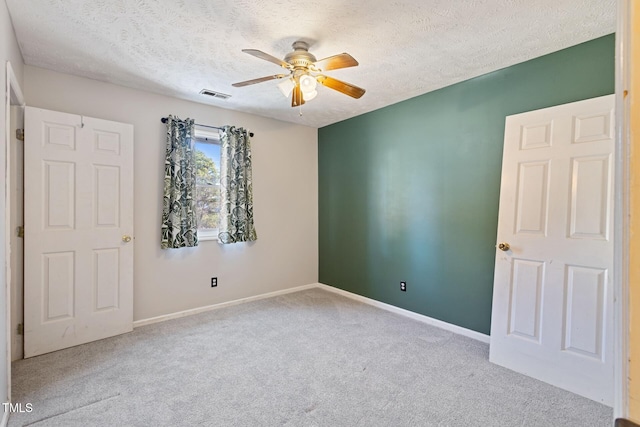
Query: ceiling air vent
{"type": "Point", "coordinates": [214, 94]}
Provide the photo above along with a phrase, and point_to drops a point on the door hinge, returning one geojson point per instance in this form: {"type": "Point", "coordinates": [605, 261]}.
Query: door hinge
{"type": "Point", "coordinates": [20, 231]}
{"type": "Point", "coordinates": [20, 329]}
{"type": "Point", "coordinates": [20, 134]}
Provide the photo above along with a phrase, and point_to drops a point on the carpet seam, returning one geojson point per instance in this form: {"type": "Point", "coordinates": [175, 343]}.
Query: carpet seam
{"type": "Point", "coordinates": [73, 409]}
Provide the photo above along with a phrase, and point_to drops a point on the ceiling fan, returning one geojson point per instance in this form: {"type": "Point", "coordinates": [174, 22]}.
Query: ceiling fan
{"type": "Point", "coordinates": [305, 72]}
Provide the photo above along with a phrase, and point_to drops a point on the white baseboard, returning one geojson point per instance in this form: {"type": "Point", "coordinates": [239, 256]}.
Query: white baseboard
{"type": "Point", "coordinates": [410, 314]}
{"type": "Point", "coordinates": [5, 417]}
{"type": "Point", "coordinates": [177, 315]}
{"type": "Point", "coordinates": [388, 307]}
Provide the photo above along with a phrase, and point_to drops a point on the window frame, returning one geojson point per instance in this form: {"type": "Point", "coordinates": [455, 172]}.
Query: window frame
{"type": "Point", "coordinates": [205, 136]}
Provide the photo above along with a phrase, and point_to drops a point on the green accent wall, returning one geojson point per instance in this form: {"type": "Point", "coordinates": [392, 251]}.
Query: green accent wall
{"type": "Point", "coordinates": [410, 192]}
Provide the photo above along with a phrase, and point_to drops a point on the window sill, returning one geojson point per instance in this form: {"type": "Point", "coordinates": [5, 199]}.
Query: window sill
{"type": "Point", "coordinates": [207, 235]}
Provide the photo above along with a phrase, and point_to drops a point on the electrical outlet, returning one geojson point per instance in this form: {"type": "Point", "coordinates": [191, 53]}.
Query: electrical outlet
{"type": "Point", "coordinates": [403, 286]}
{"type": "Point", "coordinates": [214, 282]}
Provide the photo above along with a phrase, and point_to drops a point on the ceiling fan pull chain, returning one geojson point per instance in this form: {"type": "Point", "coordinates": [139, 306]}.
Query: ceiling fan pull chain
{"type": "Point", "coordinates": [300, 110]}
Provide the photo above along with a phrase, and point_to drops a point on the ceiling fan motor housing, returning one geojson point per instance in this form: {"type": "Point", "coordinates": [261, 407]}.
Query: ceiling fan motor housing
{"type": "Point", "coordinates": [300, 57]}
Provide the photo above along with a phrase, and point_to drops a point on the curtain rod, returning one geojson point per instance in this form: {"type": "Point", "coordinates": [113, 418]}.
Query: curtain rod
{"type": "Point", "coordinates": [164, 120]}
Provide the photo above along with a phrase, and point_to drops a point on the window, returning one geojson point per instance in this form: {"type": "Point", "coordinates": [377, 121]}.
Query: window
{"type": "Point", "coordinates": [207, 152]}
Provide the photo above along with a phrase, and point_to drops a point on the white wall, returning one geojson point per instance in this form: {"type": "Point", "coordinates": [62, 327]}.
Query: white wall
{"type": "Point", "coordinates": [9, 51]}
{"type": "Point", "coordinates": [285, 174]}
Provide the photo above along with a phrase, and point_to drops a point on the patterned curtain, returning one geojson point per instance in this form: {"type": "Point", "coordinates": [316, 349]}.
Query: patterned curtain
{"type": "Point", "coordinates": [179, 225]}
{"type": "Point", "coordinates": [236, 187]}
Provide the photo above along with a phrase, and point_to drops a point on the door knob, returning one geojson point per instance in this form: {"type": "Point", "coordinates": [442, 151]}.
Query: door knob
{"type": "Point", "coordinates": [126, 238]}
{"type": "Point", "coordinates": [503, 246]}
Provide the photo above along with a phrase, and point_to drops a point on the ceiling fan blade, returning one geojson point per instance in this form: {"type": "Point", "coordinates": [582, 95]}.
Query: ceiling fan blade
{"type": "Point", "coordinates": [260, 54]}
{"type": "Point", "coordinates": [260, 80]}
{"type": "Point", "coordinates": [340, 86]}
{"type": "Point", "coordinates": [335, 62]}
{"type": "Point", "coordinates": [296, 98]}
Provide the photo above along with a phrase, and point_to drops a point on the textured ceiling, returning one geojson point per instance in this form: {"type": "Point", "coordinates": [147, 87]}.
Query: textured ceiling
{"type": "Point", "coordinates": [405, 47]}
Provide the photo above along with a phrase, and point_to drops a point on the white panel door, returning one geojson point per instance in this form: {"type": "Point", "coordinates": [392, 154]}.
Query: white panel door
{"type": "Point", "coordinates": [552, 314]}
{"type": "Point", "coordinates": [78, 222]}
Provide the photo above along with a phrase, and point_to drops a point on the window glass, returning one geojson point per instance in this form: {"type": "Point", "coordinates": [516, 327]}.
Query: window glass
{"type": "Point", "coordinates": [207, 153]}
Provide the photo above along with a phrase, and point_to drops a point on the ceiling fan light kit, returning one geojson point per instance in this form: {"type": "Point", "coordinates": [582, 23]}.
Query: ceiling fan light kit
{"type": "Point", "coordinates": [308, 96]}
{"type": "Point", "coordinates": [307, 83]}
{"type": "Point", "coordinates": [305, 72]}
{"type": "Point", "coordinates": [286, 87]}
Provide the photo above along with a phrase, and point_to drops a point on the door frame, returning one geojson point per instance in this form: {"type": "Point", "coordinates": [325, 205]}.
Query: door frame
{"type": "Point", "coordinates": [14, 97]}
{"type": "Point", "coordinates": [621, 213]}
